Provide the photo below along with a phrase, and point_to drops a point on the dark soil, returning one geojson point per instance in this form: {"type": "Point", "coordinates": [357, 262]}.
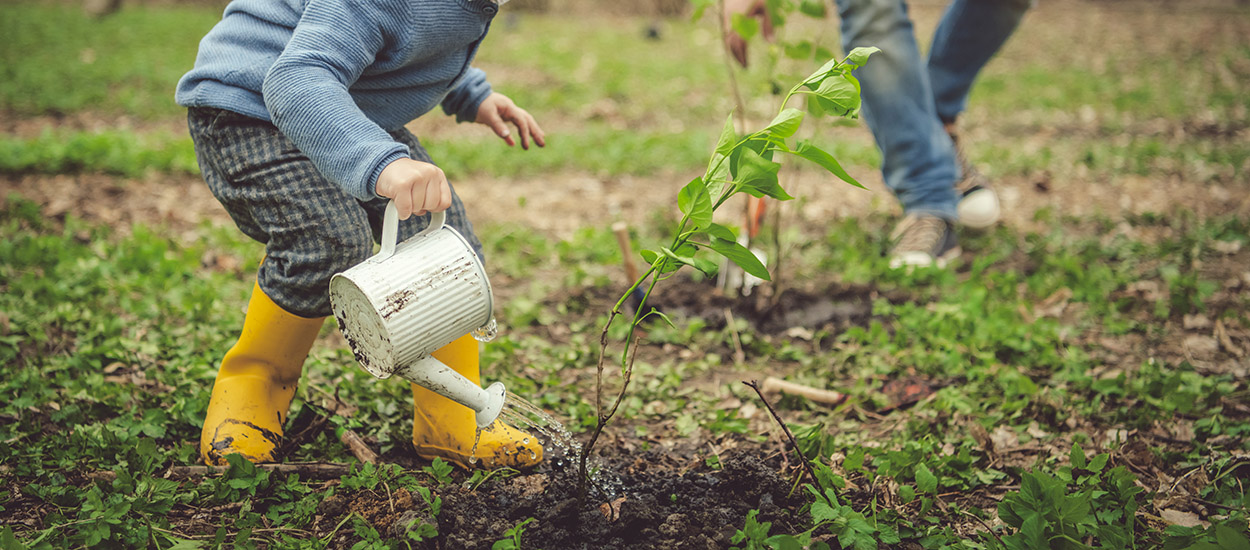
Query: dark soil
{"type": "Point", "coordinates": [665, 506]}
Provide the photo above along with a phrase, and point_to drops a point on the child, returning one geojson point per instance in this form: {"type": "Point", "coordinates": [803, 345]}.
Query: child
{"type": "Point", "coordinates": [297, 110]}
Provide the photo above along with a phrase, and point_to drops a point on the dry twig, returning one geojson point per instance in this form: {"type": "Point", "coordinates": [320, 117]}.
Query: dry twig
{"type": "Point", "coordinates": [358, 447]}
{"type": "Point", "coordinates": [802, 459]}
{"type": "Point", "coordinates": [825, 397]}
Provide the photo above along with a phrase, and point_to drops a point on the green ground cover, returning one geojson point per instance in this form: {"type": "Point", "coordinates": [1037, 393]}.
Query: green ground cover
{"type": "Point", "coordinates": [1066, 400]}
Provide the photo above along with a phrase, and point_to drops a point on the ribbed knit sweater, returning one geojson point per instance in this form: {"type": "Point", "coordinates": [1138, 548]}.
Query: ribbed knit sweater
{"type": "Point", "coordinates": [335, 75]}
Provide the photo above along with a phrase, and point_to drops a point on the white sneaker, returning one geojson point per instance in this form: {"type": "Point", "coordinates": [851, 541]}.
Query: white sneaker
{"type": "Point", "coordinates": [978, 202]}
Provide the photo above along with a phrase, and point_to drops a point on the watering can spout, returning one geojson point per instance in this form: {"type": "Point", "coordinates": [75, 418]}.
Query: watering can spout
{"type": "Point", "coordinates": [433, 375]}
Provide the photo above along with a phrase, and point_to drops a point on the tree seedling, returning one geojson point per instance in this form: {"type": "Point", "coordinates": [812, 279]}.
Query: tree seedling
{"type": "Point", "coordinates": [738, 165]}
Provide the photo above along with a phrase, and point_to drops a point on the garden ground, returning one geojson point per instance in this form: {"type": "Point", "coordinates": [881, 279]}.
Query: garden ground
{"type": "Point", "coordinates": [1079, 379]}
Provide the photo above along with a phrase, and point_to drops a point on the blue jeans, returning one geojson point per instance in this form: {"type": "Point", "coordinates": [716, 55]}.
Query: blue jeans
{"type": "Point", "coordinates": [906, 102]}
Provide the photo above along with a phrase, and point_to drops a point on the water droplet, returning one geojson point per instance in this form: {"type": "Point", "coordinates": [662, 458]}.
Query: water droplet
{"type": "Point", "coordinates": [487, 332]}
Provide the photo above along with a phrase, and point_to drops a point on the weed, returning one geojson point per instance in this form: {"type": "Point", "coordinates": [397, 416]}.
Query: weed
{"type": "Point", "coordinates": [513, 534]}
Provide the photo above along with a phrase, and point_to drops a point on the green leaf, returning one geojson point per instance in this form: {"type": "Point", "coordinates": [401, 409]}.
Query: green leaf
{"type": "Point", "coordinates": [9, 540]}
{"type": "Point", "coordinates": [746, 27]}
{"type": "Point", "coordinates": [728, 137]}
{"type": "Point", "coordinates": [721, 232]}
{"type": "Point", "coordinates": [739, 254]}
{"type": "Point", "coordinates": [1033, 531]}
{"type": "Point", "coordinates": [1229, 539]}
{"type": "Point", "coordinates": [699, 7]}
{"type": "Point", "coordinates": [786, 123]}
{"type": "Point", "coordinates": [693, 200]}
{"type": "Point", "coordinates": [802, 49]}
{"type": "Point", "coordinates": [813, 8]}
{"type": "Point", "coordinates": [822, 512]}
{"type": "Point", "coordinates": [758, 176]}
{"type": "Point", "coordinates": [906, 493]}
{"type": "Point", "coordinates": [926, 482]}
{"type": "Point", "coordinates": [1077, 456]}
{"type": "Point", "coordinates": [821, 73]}
{"type": "Point", "coordinates": [784, 542]}
{"type": "Point", "coordinates": [859, 56]}
{"type": "Point", "coordinates": [838, 94]}
{"type": "Point", "coordinates": [1099, 463]}
{"type": "Point", "coordinates": [826, 161]}
{"type": "Point", "coordinates": [661, 315]}
{"type": "Point", "coordinates": [706, 266]}
{"type": "Point", "coordinates": [686, 260]}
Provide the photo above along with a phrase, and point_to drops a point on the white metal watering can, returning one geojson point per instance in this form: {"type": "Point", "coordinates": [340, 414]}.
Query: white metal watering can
{"type": "Point", "coordinates": [412, 298]}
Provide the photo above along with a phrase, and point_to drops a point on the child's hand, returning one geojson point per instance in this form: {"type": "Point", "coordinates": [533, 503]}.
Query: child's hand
{"type": "Point", "coordinates": [417, 187]}
{"type": "Point", "coordinates": [497, 111]}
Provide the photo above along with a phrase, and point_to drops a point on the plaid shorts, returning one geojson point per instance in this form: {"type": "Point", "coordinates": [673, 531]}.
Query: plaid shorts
{"type": "Point", "coordinates": [310, 227]}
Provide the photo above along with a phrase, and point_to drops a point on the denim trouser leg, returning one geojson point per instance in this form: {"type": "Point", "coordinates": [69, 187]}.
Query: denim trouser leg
{"type": "Point", "coordinates": [918, 159]}
{"type": "Point", "coordinates": [970, 33]}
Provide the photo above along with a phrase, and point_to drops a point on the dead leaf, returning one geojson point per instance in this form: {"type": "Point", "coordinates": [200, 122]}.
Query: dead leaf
{"type": "Point", "coordinates": [1221, 334]}
{"type": "Point", "coordinates": [1201, 346]}
{"type": "Point", "coordinates": [1054, 304]}
{"type": "Point", "coordinates": [1183, 519]}
{"type": "Point", "coordinates": [1226, 247]}
{"type": "Point", "coordinates": [1196, 321]}
{"type": "Point", "coordinates": [982, 437]}
{"type": "Point", "coordinates": [611, 510]}
{"type": "Point", "coordinates": [801, 333]}
{"type": "Point", "coordinates": [1004, 439]}
{"type": "Point", "coordinates": [748, 410]}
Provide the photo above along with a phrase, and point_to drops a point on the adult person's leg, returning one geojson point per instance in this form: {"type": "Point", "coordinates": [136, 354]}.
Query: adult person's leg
{"type": "Point", "coordinates": [970, 33]}
{"type": "Point", "coordinates": [918, 159]}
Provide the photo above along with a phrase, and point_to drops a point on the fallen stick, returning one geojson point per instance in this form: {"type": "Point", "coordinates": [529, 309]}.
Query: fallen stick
{"type": "Point", "coordinates": [824, 397]}
{"type": "Point", "coordinates": [358, 447]}
{"type": "Point", "coordinates": [307, 470]}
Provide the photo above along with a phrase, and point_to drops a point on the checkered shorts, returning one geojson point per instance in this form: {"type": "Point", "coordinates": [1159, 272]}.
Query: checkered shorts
{"type": "Point", "coordinates": [311, 228]}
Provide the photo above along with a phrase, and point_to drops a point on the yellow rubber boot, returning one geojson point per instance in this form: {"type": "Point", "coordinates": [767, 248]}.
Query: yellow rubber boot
{"type": "Point", "coordinates": [256, 382]}
{"type": "Point", "coordinates": [445, 429]}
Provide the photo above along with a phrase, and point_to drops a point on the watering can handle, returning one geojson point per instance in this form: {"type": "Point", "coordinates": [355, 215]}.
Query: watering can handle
{"type": "Point", "coordinates": [390, 228]}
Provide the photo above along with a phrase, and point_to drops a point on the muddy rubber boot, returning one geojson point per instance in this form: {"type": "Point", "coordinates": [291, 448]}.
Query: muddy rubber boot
{"type": "Point", "coordinates": [256, 382]}
{"type": "Point", "coordinates": [445, 429]}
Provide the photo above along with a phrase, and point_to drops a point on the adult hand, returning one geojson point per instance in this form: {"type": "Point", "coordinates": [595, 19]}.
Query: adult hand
{"type": "Point", "coordinates": [416, 187]}
{"type": "Point", "coordinates": [497, 111]}
{"type": "Point", "coordinates": [750, 8]}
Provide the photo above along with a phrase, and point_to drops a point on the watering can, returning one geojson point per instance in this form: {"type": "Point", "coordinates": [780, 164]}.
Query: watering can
{"type": "Point", "coordinates": [412, 298]}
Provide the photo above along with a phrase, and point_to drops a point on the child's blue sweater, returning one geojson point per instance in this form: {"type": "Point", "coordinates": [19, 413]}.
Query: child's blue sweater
{"type": "Point", "coordinates": [335, 75]}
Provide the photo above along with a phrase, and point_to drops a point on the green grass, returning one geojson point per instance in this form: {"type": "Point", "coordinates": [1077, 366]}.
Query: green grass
{"type": "Point", "coordinates": [55, 60]}
{"type": "Point", "coordinates": [87, 312]}
{"type": "Point", "coordinates": [109, 337]}
{"type": "Point", "coordinates": [122, 153]}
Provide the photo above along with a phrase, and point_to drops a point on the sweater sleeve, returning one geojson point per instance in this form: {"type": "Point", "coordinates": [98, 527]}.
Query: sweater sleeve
{"type": "Point", "coordinates": [466, 97]}
{"type": "Point", "coordinates": [306, 91]}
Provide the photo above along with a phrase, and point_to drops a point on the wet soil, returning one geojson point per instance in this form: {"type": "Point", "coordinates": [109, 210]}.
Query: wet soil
{"type": "Point", "coordinates": [666, 505]}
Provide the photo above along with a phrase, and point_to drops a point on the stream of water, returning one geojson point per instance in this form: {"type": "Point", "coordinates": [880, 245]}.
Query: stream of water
{"type": "Point", "coordinates": [559, 447]}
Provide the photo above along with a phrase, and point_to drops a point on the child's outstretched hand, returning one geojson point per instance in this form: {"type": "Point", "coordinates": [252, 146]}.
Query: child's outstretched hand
{"type": "Point", "coordinates": [417, 187]}
{"type": "Point", "coordinates": [497, 111]}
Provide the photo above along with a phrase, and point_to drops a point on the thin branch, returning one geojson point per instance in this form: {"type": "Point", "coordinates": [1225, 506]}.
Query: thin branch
{"type": "Point", "coordinates": [802, 459]}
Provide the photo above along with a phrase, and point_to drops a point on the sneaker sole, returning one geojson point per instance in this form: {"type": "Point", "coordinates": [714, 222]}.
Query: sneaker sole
{"type": "Point", "coordinates": [913, 260]}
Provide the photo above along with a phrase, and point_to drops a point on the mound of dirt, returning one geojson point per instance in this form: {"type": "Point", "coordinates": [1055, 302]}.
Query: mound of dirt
{"type": "Point", "coordinates": [649, 504]}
